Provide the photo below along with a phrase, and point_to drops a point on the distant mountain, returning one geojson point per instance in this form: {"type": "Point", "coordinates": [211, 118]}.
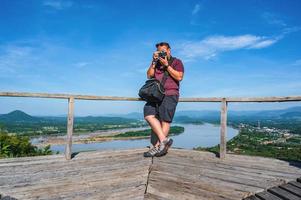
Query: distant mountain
{"type": "Point", "coordinates": [18, 116]}
{"type": "Point", "coordinates": [215, 114]}
{"type": "Point", "coordinates": [132, 115]}
{"type": "Point", "coordinates": [197, 113]}
{"type": "Point", "coordinates": [296, 111]}
{"type": "Point", "coordinates": [186, 119]}
{"type": "Point", "coordinates": [291, 115]}
{"type": "Point", "coordinates": [277, 113]}
{"type": "Point", "coordinates": [185, 115]}
{"type": "Point", "coordinates": [103, 119]}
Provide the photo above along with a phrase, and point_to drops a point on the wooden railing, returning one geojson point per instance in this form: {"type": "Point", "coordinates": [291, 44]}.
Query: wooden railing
{"type": "Point", "coordinates": [223, 122]}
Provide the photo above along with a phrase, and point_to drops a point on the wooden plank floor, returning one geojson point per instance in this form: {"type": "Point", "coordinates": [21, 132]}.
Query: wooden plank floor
{"type": "Point", "coordinates": [290, 190]}
{"type": "Point", "coordinates": [126, 174]}
{"type": "Point", "coordinates": [89, 175]}
{"type": "Point", "coordinates": [186, 174]}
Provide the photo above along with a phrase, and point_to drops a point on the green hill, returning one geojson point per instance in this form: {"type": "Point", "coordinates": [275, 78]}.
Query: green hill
{"type": "Point", "coordinates": [17, 116]}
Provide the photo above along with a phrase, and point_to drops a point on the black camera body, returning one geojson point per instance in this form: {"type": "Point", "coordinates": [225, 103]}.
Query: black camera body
{"type": "Point", "coordinates": [162, 54]}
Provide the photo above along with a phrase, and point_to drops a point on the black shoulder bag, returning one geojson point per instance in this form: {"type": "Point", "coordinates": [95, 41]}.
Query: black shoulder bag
{"type": "Point", "coordinates": [153, 90]}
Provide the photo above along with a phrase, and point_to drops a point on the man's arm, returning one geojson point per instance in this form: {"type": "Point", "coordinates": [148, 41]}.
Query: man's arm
{"type": "Point", "coordinates": [174, 73]}
{"type": "Point", "coordinates": [178, 75]}
{"type": "Point", "coordinates": [151, 71]}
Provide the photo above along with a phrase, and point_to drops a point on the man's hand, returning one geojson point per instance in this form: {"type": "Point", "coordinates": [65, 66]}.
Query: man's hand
{"type": "Point", "coordinates": [164, 61]}
{"type": "Point", "coordinates": [155, 55]}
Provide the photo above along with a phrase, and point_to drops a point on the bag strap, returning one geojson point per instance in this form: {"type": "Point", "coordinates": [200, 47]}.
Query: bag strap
{"type": "Point", "coordinates": [166, 73]}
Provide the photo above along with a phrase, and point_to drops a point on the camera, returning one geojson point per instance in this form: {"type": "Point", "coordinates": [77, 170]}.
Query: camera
{"type": "Point", "coordinates": [162, 54]}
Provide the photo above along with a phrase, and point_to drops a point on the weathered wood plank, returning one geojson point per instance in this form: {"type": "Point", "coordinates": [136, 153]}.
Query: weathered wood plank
{"type": "Point", "coordinates": [283, 194]}
{"type": "Point", "coordinates": [232, 167]}
{"type": "Point", "coordinates": [52, 175]}
{"type": "Point", "coordinates": [52, 171]}
{"type": "Point", "coordinates": [68, 149]}
{"type": "Point", "coordinates": [267, 196]}
{"type": "Point", "coordinates": [195, 184]}
{"type": "Point", "coordinates": [115, 98]}
{"type": "Point", "coordinates": [212, 171]}
{"type": "Point", "coordinates": [30, 158]}
{"type": "Point", "coordinates": [259, 159]}
{"type": "Point", "coordinates": [6, 172]}
{"type": "Point", "coordinates": [252, 198]}
{"type": "Point", "coordinates": [294, 183]}
{"type": "Point", "coordinates": [223, 131]}
{"type": "Point", "coordinates": [86, 183]}
{"type": "Point", "coordinates": [166, 189]}
{"type": "Point", "coordinates": [292, 189]}
{"type": "Point", "coordinates": [194, 176]}
{"type": "Point", "coordinates": [149, 196]}
{"type": "Point", "coordinates": [82, 157]}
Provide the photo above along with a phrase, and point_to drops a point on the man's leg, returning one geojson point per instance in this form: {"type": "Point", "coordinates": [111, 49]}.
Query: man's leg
{"type": "Point", "coordinates": [156, 126]}
{"type": "Point", "coordinates": [165, 127]}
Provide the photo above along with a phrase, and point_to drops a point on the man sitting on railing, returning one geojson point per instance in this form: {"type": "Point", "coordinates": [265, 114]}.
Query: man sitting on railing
{"type": "Point", "coordinates": [161, 118]}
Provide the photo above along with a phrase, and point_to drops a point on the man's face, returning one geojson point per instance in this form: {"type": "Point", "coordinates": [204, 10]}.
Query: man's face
{"type": "Point", "coordinates": [164, 48]}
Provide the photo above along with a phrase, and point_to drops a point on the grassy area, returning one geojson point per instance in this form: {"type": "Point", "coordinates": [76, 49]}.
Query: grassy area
{"type": "Point", "coordinates": [262, 144]}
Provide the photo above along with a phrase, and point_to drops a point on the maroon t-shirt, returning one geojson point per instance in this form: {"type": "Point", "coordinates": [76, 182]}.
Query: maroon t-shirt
{"type": "Point", "coordinates": [171, 86]}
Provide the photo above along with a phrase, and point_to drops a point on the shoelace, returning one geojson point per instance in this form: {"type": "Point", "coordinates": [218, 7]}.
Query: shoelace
{"type": "Point", "coordinates": [153, 150]}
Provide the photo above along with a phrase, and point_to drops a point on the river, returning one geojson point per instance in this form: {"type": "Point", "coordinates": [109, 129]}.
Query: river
{"type": "Point", "coordinates": [204, 135]}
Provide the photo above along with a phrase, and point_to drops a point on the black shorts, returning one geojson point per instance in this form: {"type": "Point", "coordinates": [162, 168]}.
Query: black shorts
{"type": "Point", "coordinates": [166, 108]}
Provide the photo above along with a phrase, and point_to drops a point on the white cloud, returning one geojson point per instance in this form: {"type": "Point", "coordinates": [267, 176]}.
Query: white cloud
{"type": "Point", "coordinates": [58, 4]}
{"type": "Point", "coordinates": [14, 58]}
{"type": "Point", "coordinates": [273, 19]}
{"type": "Point", "coordinates": [195, 14]}
{"type": "Point", "coordinates": [196, 9]}
{"type": "Point", "coordinates": [213, 45]}
{"type": "Point", "coordinates": [264, 43]}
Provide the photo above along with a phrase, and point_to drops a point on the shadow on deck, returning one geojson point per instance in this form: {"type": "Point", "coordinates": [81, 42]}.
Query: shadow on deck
{"type": "Point", "coordinates": [126, 174]}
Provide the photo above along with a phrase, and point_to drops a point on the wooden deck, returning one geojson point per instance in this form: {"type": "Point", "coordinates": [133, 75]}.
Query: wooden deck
{"type": "Point", "coordinates": [291, 191]}
{"type": "Point", "coordinates": [126, 174]}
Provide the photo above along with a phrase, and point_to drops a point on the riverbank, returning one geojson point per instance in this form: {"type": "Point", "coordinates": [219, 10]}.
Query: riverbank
{"type": "Point", "coordinates": [122, 134]}
{"type": "Point", "coordinates": [265, 144]}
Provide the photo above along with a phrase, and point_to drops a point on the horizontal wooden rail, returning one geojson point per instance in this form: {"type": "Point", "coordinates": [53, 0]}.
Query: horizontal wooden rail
{"type": "Point", "coordinates": [116, 98]}
{"type": "Point", "coordinates": [224, 104]}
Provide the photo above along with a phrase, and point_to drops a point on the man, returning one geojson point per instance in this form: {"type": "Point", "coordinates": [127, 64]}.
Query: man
{"type": "Point", "coordinates": [160, 116]}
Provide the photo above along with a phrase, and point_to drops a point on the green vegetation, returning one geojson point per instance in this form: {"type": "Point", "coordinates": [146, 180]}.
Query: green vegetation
{"type": "Point", "coordinates": [17, 146]}
{"type": "Point", "coordinates": [293, 125]}
{"type": "Point", "coordinates": [23, 124]}
{"type": "Point", "coordinates": [188, 120]}
{"type": "Point", "coordinates": [252, 142]}
{"type": "Point", "coordinates": [294, 140]}
{"type": "Point", "coordinates": [174, 130]}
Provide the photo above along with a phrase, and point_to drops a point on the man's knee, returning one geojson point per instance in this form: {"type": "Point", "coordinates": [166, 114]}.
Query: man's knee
{"type": "Point", "coordinates": [149, 117]}
{"type": "Point", "coordinates": [167, 123]}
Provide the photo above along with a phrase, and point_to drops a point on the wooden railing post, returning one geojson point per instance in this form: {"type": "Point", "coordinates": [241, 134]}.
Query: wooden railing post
{"type": "Point", "coordinates": [223, 142]}
{"type": "Point", "coordinates": [68, 149]}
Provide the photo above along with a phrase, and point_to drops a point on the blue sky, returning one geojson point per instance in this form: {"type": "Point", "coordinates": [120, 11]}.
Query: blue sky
{"type": "Point", "coordinates": [229, 48]}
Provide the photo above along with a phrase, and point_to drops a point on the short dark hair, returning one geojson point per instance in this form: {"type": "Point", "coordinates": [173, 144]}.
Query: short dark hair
{"type": "Point", "coordinates": [162, 44]}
